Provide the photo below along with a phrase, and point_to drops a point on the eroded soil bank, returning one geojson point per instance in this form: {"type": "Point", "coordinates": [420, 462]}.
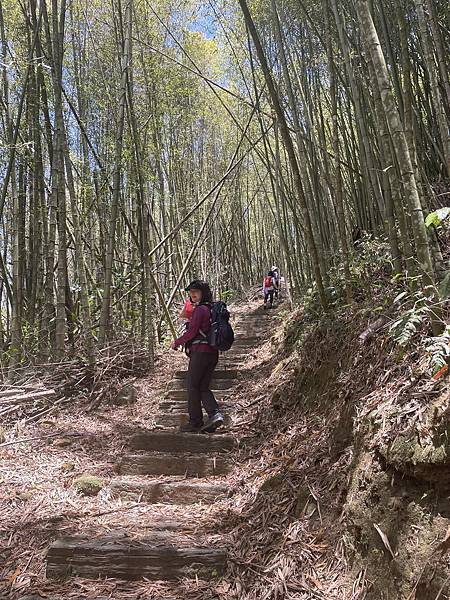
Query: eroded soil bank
{"type": "Point", "coordinates": [348, 471]}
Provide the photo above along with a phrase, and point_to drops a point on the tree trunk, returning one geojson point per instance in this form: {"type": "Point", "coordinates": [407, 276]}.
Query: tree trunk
{"type": "Point", "coordinates": [436, 98]}
{"type": "Point", "coordinates": [104, 328]}
{"type": "Point", "coordinates": [398, 139]}
{"type": "Point", "coordinates": [284, 130]}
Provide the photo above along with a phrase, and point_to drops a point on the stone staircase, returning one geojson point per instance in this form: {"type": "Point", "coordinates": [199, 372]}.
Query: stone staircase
{"type": "Point", "coordinates": [164, 467]}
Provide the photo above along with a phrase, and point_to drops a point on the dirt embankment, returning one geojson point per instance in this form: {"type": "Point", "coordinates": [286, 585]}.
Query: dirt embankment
{"type": "Point", "coordinates": [348, 470]}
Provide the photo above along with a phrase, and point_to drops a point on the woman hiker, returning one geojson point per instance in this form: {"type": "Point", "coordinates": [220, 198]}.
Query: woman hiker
{"type": "Point", "coordinates": [202, 362]}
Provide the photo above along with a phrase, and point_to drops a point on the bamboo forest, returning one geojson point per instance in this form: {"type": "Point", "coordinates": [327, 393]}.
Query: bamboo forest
{"type": "Point", "coordinates": [172, 166]}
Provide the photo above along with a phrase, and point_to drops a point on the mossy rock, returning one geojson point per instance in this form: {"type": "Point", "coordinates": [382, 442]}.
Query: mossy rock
{"type": "Point", "coordinates": [25, 496]}
{"type": "Point", "coordinates": [62, 442]}
{"type": "Point", "coordinates": [429, 462]}
{"type": "Point", "coordinates": [127, 395]}
{"type": "Point", "coordinates": [67, 466]}
{"type": "Point", "coordinates": [88, 485]}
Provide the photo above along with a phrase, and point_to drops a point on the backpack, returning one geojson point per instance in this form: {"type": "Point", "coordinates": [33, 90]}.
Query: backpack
{"type": "Point", "coordinates": [220, 335]}
{"type": "Point", "coordinates": [268, 282]}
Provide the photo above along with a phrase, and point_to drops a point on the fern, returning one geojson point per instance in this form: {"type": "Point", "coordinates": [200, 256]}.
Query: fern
{"type": "Point", "coordinates": [438, 349]}
{"type": "Point", "coordinates": [408, 324]}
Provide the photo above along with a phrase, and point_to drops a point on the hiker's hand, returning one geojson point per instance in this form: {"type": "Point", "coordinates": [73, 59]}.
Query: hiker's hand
{"type": "Point", "coordinates": [174, 346]}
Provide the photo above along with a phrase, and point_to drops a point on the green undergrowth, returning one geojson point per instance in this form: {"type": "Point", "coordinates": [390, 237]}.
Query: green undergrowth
{"type": "Point", "coordinates": [352, 448]}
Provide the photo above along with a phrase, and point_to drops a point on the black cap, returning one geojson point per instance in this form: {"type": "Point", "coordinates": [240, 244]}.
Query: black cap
{"type": "Point", "coordinates": [203, 287]}
{"type": "Point", "coordinates": [197, 284]}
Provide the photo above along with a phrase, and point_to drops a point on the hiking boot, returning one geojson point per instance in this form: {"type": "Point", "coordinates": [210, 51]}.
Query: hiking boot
{"type": "Point", "coordinates": [191, 428]}
{"type": "Point", "coordinates": [214, 422]}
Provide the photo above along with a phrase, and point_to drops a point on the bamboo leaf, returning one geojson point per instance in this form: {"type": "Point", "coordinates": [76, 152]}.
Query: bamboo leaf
{"type": "Point", "coordinates": [385, 540]}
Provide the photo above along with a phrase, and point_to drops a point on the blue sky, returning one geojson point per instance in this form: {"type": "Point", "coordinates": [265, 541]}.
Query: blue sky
{"type": "Point", "coordinates": [204, 23]}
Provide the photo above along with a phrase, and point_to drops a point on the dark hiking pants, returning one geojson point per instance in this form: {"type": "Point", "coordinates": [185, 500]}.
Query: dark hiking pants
{"type": "Point", "coordinates": [200, 372]}
{"type": "Point", "coordinates": [268, 297]}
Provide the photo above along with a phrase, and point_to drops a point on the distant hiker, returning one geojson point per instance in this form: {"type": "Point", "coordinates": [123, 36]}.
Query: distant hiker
{"type": "Point", "coordinates": [357, 236]}
{"type": "Point", "coordinates": [277, 278]}
{"type": "Point", "coordinates": [269, 285]}
{"type": "Point", "coordinates": [203, 358]}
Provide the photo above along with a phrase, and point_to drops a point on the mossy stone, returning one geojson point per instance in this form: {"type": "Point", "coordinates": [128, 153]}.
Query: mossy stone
{"type": "Point", "coordinates": [427, 462]}
{"type": "Point", "coordinates": [67, 466]}
{"type": "Point", "coordinates": [127, 395]}
{"type": "Point", "coordinates": [88, 485]}
{"type": "Point", "coordinates": [25, 496]}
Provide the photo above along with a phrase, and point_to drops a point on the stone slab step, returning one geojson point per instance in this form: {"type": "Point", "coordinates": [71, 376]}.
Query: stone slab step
{"type": "Point", "coordinates": [264, 314]}
{"type": "Point", "coordinates": [218, 384]}
{"type": "Point", "coordinates": [169, 492]}
{"type": "Point", "coordinates": [225, 363]}
{"type": "Point", "coordinates": [241, 352]}
{"type": "Point", "coordinates": [175, 419]}
{"type": "Point", "coordinates": [260, 334]}
{"type": "Point", "coordinates": [177, 405]}
{"type": "Point", "coordinates": [252, 325]}
{"type": "Point", "coordinates": [182, 394]}
{"type": "Point", "coordinates": [248, 341]}
{"type": "Point", "coordinates": [162, 441]}
{"type": "Point", "coordinates": [234, 359]}
{"type": "Point", "coordinates": [247, 347]}
{"type": "Point", "coordinates": [181, 408]}
{"type": "Point", "coordinates": [189, 465]}
{"type": "Point", "coordinates": [238, 351]}
{"type": "Point", "coordinates": [218, 374]}
{"type": "Point", "coordinates": [131, 559]}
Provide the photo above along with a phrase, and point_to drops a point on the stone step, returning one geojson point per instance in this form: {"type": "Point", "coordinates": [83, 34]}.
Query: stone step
{"type": "Point", "coordinates": [225, 363]}
{"type": "Point", "coordinates": [177, 405]}
{"type": "Point", "coordinates": [240, 352]}
{"type": "Point", "coordinates": [233, 358]}
{"type": "Point", "coordinates": [261, 334]}
{"type": "Point", "coordinates": [162, 441]}
{"type": "Point", "coordinates": [253, 324]}
{"type": "Point", "coordinates": [234, 361]}
{"type": "Point", "coordinates": [248, 341]}
{"type": "Point", "coordinates": [173, 405]}
{"type": "Point", "coordinates": [252, 336]}
{"type": "Point", "coordinates": [218, 384]}
{"type": "Point", "coordinates": [235, 350]}
{"type": "Point", "coordinates": [131, 559]}
{"type": "Point", "coordinates": [182, 394]}
{"type": "Point", "coordinates": [175, 419]}
{"type": "Point", "coordinates": [218, 374]}
{"type": "Point", "coordinates": [168, 492]}
{"type": "Point", "coordinates": [252, 317]}
{"type": "Point", "coordinates": [189, 465]}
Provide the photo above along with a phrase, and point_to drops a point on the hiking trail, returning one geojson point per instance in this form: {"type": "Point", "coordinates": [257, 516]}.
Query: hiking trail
{"type": "Point", "coordinates": [179, 473]}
